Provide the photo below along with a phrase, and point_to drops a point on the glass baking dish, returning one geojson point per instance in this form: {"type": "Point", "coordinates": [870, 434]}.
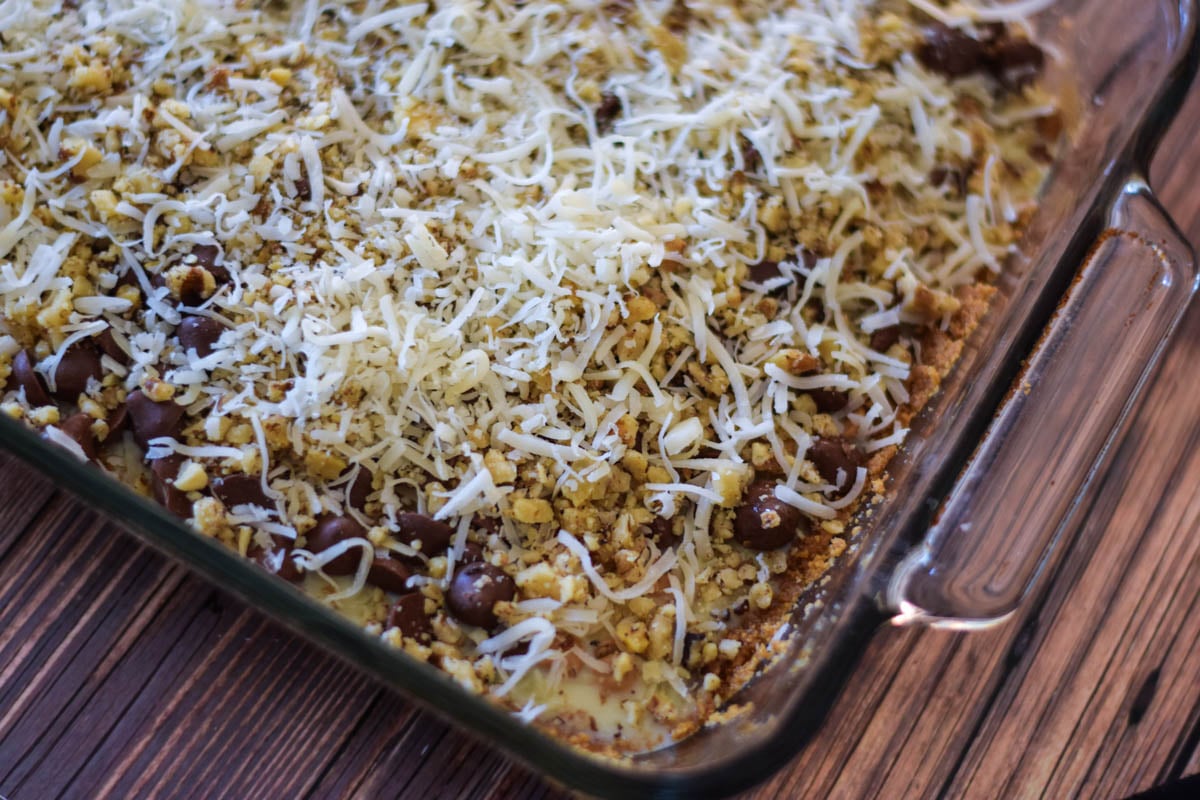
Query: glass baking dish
{"type": "Point", "coordinates": [985, 489]}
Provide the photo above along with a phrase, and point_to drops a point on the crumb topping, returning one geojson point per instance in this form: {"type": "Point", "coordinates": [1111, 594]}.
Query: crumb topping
{"type": "Point", "coordinates": [554, 342]}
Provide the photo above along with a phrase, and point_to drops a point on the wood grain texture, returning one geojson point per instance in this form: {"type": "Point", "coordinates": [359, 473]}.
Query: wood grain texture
{"type": "Point", "coordinates": [122, 675]}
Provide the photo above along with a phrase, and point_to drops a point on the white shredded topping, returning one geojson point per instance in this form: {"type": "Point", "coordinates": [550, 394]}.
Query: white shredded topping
{"type": "Point", "coordinates": [660, 567]}
{"type": "Point", "coordinates": [549, 262]}
{"type": "Point", "coordinates": [60, 438]}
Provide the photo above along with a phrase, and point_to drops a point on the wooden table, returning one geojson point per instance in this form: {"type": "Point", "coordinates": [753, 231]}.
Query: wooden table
{"type": "Point", "coordinates": [123, 675]}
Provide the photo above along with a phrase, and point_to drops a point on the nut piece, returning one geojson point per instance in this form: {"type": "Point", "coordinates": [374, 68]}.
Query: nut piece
{"type": "Point", "coordinates": [503, 471]}
{"type": "Point", "coordinates": [632, 634]}
{"type": "Point", "coordinates": [729, 481]}
{"type": "Point", "coordinates": [191, 478]}
{"type": "Point", "coordinates": [640, 308]}
{"type": "Point", "coordinates": [532, 511]}
{"type": "Point", "coordinates": [795, 362]}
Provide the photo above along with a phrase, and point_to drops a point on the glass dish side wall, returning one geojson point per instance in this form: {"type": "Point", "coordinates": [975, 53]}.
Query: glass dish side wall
{"type": "Point", "coordinates": [1119, 65]}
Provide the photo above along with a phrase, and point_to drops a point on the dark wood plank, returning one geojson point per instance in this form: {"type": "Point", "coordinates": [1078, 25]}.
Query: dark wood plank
{"type": "Point", "coordinates": [117, 674]}
{"type": "Point", "coordinates": [22, 496]}
{"type": "Point", "coordinates": [1188, 762]}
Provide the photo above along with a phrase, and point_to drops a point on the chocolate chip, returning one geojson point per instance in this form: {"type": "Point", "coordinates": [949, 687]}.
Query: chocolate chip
{"type": "Point", "coordinates": [79, 428]}
{"type": "Point", "coordinates": [951, 52]}
{"type": "Point", "coordinates": [770, 272]}
{"type": "Point", "coordinates": [409, 617]}
{"type": "Point", "coordinates": [389, 574]}
{"type": "Point", "coordinates": [288, 570]}
{"type": "Point", "coordinates": [883, 339]}
{"type": "Point", "coordinates": [751, 158]}
{"type": "Point", "coordinates": [191, 288]}
{"type": "Point", "coordinates": [765, 271]}
{"type": "Point", "coordinates": [108, 345]}
{"type": "Point", "coordinates": [278, 561]}
{"type": "Point", "coordinates": [199, 334]}
{"type": "Point", "coordinates": [241, 490]}
{"type": "Point", "coordinates": [472, 553]}
{"type": "Point", "coordinates": [662, 531]}
{"type": "Point", "coordinates": [78, 364]}
{"type": "Point", "coordinates": [763, 521]}
{"type": "Point", "coordinates": [359, 489]}
{"type": "Point", "coordinates": [831, 454]}
{"type": "Point", "coordinates": [174, 500]}
{"type": "Point", "coordinates": [607, 111]}
{"type": "Point", "coordinates": [28, 379]}
{"type": "Point", "coordinates": [475, 591]}
{"type": "Point", "coordinates": [151, 420]}
{"type": "Point", "coordinates": [486, 525]}
{"type": "Point", "coordinates": [423, 533]}
{"type": "Point", "coordinates": [303, 189]}
{"type": "Point", "coordinates": [157, 279]}
{"type": "Point", "coordinates": [206, 255]}
{"type": "Point", "coordinates": [516, 649]}
{"type": "Point", "coordinates": [1016, 62]}
{"type": "Point", "coordinates": [165, 470]}
{"type": "Point", "coordinates": [331, 530]}
{"type": "Point", "coordinates": [829, 401]}
{"type": "Point", "coordinates": [209, 257]}
{"type": "Point", "coordinates": [127, 278]}
{"type": "Point", "coordinates": [167, 467]}
{"type": "Point", "coordinates": [956, 179]}
{"type": "Point", "coordinates": [677, 17]}
{"type": "Point", "coordinates": [118, 421]}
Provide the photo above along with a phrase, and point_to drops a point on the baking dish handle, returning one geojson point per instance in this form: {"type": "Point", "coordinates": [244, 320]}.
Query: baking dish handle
{"type": "Point", "coordinates": [1013, 503]}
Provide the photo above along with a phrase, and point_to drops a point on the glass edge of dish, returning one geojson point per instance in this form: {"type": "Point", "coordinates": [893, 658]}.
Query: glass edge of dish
{"type": "Point", "coordinates": [483, 719]}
